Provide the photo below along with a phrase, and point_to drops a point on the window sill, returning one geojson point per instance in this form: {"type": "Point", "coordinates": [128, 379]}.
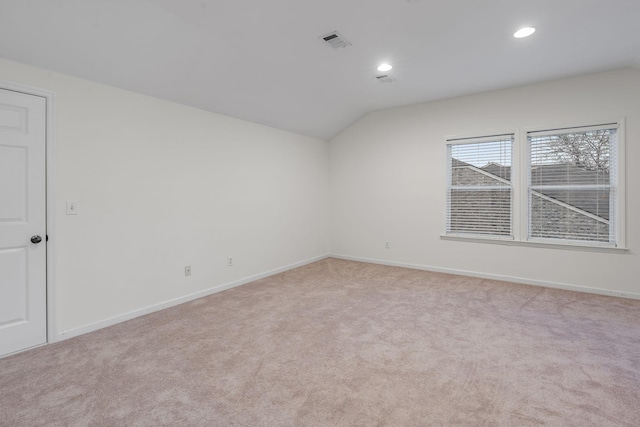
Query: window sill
{"type": "Point", "coordinates": [546, 245]}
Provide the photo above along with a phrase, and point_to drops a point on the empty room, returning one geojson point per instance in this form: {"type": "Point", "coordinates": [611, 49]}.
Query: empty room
{"type": "Point", "coordinates": [305, 213]}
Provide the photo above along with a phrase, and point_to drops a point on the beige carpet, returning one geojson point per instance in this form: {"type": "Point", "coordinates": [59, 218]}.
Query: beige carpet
{"type": "Point", "coordinates": [341, 343]}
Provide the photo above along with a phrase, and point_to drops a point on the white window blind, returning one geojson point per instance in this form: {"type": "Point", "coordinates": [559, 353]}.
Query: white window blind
{"type": "Point", "coordinates": [572, 176]}
{"type": "Point", "coordinates": [479, 186]}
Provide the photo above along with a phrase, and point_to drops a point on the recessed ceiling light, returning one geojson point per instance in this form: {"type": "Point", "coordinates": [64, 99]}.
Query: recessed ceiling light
{"type": "Point", "coordinates": [524, 32]}
{"type": "Point", "coordinates": [384, 67]}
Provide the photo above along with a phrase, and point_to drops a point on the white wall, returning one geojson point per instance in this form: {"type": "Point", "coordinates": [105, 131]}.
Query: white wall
{"type": "Point", "coordinates": [162, 185]}
{"type": "Point", "coordinates": [387, 174]}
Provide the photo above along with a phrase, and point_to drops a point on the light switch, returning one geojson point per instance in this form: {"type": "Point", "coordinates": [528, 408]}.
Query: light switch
{"type": "Point", "coordinates": [72, 207]}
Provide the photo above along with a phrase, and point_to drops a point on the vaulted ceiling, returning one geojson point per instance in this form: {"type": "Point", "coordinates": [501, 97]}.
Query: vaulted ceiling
{"type": "Point", "coordinates": [264, 60]}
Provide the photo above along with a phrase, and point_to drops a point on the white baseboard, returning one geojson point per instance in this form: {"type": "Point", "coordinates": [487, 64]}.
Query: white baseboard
{"type": "Point", "coordinates": [70, 333]}
{"type": "Point", "coordinates": [503, 278]}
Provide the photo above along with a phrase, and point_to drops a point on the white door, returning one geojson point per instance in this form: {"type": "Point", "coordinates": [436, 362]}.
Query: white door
{"type": "Point", "coordinates": [23, 286]}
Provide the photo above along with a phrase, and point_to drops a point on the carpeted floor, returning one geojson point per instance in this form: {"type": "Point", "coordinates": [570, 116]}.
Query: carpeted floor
{"type": "Point", "coordinates": [341, 343]}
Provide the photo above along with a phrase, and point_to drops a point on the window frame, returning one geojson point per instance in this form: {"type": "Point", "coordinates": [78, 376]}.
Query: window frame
{"type": "Point", "coordinates": [520, 198]}
{"type": "Point", "coordinates": [486, 137]}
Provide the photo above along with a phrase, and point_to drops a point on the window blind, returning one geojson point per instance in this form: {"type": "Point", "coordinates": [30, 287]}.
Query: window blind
{"type": "Point", "coordinates": [571, 184]}
{"type": "Point", "coordinates": [479, 186]}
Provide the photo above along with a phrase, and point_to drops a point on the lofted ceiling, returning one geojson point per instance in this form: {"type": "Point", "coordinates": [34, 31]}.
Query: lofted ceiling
{"type": "Point", "coordinates": [264, 61]}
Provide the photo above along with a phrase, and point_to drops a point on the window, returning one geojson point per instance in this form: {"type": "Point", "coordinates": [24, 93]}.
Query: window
{"type": "Point", "coordinates": [559, 186]}
{"type": "Point", "coordinates": [572, 179]}
{"type": "Point", "coordinates": [480, 190]}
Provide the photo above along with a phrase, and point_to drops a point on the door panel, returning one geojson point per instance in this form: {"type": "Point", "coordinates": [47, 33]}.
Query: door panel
{"type": "Point", "coordinates": [23, 292]}
{"type": "Point", "coordinates": [13, 118]}
{"type": "Point", "coordinates": [13, 299]}
{"type": "Point", "coordinates": [13, 183]}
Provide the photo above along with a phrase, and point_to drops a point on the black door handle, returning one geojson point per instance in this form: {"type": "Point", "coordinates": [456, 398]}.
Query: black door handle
{"type": "Point", "coordinates": [36, 239]}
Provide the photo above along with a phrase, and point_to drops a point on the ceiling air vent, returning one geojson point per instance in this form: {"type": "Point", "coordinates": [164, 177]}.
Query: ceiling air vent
{"type": "Point", "coordinates": [335, 40]}
{"type": "Point", "coordinates": [385, 78]}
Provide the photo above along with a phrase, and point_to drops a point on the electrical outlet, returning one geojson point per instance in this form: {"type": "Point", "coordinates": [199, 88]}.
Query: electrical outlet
{"type": "Point", "coordinates": [387, 245]}
{"type": "Point", "coordinates": [230, 262]}
{"type": "Point", "coordinates": [187, 270]}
